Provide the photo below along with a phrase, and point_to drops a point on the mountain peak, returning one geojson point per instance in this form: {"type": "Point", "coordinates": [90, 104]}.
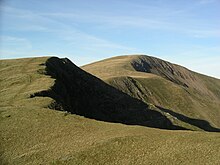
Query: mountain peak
{"type": "Point", "coordinates": [145, 64]}
{"type": "Point", "coordinates": [162, 83]}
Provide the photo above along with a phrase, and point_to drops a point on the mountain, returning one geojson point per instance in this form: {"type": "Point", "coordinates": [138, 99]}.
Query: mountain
{"type": "Point", "coordinates": [183, 95]}
{"type": "Point", "coordinates": [79, 92]}
{"type": "Point", "coordinates": [45, 106]}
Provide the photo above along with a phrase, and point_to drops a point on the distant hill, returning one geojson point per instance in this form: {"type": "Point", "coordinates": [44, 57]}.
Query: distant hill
{"type": "Point", "coordinates": [180, 93]}
{"type": "Point", "coordinates": [35, 127]}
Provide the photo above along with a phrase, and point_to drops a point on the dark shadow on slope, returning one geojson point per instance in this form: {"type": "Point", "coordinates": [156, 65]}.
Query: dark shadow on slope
{"type": "Point", "coordinates": [204, 125]}
{"type": "Point", "coordinates": [81, 93]}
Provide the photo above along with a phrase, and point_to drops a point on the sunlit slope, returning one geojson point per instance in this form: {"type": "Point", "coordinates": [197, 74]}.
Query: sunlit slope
{"type": "Point", "coordinates": [22, 77]}
{"type": "Point", "coordinates": [42, 136]}
{"type": "Point", "coordinates": [164, 84]}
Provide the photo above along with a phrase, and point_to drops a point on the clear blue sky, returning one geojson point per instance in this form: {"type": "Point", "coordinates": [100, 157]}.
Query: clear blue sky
{"type": "Point", "coordinates": [186, 32]}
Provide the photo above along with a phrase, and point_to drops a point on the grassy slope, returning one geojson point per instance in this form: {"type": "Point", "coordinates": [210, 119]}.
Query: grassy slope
{"type": "Point", "coordinates": [30, 133]}
{"type": "Point", "coordinates": [40, 135]}
{"type": "Point", "coordinates": [201, 100]}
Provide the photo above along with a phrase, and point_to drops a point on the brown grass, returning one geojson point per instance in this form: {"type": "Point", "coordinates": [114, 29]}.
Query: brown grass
{"type": "Point", "coordinates": [33, 134]}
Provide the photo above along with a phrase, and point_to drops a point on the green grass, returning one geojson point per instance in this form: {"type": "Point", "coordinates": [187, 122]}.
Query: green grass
{"type": "Point", "coordinates": [20, 78]}
{"type": "Point", "coordinates": [30, 133]}
{"type": "Point", "coordinates": [43, 136]}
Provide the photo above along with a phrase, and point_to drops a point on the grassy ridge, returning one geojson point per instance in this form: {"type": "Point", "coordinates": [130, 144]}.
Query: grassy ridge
{"type": "Point", "coordinates": [31, 133]}
{"type": "Point", "coordinates": [20, 78]}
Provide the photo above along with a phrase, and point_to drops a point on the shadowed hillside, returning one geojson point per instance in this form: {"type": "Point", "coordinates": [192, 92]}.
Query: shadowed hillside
{"type": "Point", "coordinates": [80, 93]}
{"type": "Point", "coordinates": [163, 84]}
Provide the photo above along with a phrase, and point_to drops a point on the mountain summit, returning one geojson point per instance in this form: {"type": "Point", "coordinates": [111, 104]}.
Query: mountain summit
{"type": "Point", "coordinates": [174, 88]}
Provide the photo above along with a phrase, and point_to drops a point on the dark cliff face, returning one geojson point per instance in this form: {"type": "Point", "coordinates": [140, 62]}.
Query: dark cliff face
{"type": "Point", "coordinates": [178, 75]}
{"type": "Point", "coordinates": [174, 73]}
{"type": "Point", "coordinates": [81, 93]}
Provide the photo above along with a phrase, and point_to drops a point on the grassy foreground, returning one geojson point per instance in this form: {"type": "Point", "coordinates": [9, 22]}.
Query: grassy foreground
{"type": "Point", "coordinates": [43, 136]}
{"type": "Point", "coordinates": [31, 133]}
